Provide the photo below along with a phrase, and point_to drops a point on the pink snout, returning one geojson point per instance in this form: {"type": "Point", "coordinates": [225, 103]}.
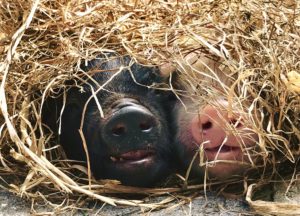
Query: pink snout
{"type": "Point", "coordinates": [223, 137]}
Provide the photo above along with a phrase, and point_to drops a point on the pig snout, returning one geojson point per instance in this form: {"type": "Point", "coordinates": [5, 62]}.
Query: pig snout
{"type": "Point", "coordinates": [130, 124]}
{"type": "Point", "coordinates": [222, 135]}
{"type": "Point", "coordinates": [223, 138]}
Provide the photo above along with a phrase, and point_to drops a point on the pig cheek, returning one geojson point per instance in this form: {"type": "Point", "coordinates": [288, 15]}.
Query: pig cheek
{"type": "Point", "coordinates": [184, 135]}
{"type": "Point", "coordinates": [187, 147]}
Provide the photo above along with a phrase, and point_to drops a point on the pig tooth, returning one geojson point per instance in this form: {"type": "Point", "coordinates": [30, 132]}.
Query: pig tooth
{"type": "Point", "coordinates": [113, 158]}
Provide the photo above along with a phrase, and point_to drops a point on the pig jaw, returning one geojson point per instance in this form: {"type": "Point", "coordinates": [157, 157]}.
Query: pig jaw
{"type": "Point", "coordinates": [142, 167]}
{"type": "Point", "coordinates": [141, 173]}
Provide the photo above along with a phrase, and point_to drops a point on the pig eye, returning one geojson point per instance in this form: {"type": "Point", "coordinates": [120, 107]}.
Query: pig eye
{"type": "Point", "coordinates": [72, 107]}
{"type": "Point", "coordinates": [71, 112]}
{"type": "Point", "coordinates": [164, 95]}
{"type": "Point", "coordinates": [156, 92]}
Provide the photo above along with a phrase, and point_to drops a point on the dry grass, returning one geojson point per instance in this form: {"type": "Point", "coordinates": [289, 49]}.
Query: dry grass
{"type": "Point", "coordinates": [43, 42]}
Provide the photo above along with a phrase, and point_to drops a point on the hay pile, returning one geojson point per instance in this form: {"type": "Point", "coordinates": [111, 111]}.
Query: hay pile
{"type": "Point", "coordinates": [43, 42]}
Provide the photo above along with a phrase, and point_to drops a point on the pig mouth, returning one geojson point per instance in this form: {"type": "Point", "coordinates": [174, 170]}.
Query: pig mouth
{"type": "Point", "coordinates": [136, 157]}
{"type": "Point", "coordinates": [223, 152]}
{"type": "Point", "coordinates": [222, 149]}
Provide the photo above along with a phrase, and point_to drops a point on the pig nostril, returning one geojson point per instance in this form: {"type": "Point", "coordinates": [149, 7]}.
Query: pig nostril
{"type": "Point", "coordinates": [118, 130]}
{"type": "Point", "coordinates": [145, 126]}
{"type": "Point", "coordinates": [206, 125]}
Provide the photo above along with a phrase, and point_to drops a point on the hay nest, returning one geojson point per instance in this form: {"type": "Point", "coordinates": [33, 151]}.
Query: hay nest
{"type": "Point", "coordinates": [42, 44]}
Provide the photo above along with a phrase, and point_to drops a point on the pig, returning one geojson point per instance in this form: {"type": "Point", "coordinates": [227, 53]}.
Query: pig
{"type": "Point", "coordinates": [125, 123]}
{"type": "Point", "coordinates": [212, 136]}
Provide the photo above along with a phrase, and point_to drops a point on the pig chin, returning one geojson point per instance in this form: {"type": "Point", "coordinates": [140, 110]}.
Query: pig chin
{"type": "Point", "coordinates": [221, 170]}
{"type": "Point", "coordinates": [135, 167]}
{"type": "Point", "coordinates": [220, 166]}
{"type": "Point", "coordinates": [144, 174]}
{"type": "Point", "coordinates": [226, 164]}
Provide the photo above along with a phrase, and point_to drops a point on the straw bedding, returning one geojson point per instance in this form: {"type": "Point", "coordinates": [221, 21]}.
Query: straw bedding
{"type": "Point", "coordinates": [43, 42]}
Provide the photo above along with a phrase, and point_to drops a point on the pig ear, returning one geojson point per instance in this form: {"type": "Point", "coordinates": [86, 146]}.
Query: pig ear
{"type": "Point", "coordinates": [166, 69]}
{"type": "Point", "coordinates": [201, 62]}
{"type": "Point", "coordinates": [193, 59]}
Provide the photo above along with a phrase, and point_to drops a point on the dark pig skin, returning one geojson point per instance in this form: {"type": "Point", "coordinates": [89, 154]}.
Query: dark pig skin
{"type": "Point", "coordinates": [132, 142]}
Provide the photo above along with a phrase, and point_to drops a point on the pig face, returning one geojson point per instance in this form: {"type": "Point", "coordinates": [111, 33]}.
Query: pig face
{"type": "Point", "coordinates": [124, 123]}
{"type": "Point", "coordinates": [213, 136]}
{"type": "Point", "coordinates": [222, 144]}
